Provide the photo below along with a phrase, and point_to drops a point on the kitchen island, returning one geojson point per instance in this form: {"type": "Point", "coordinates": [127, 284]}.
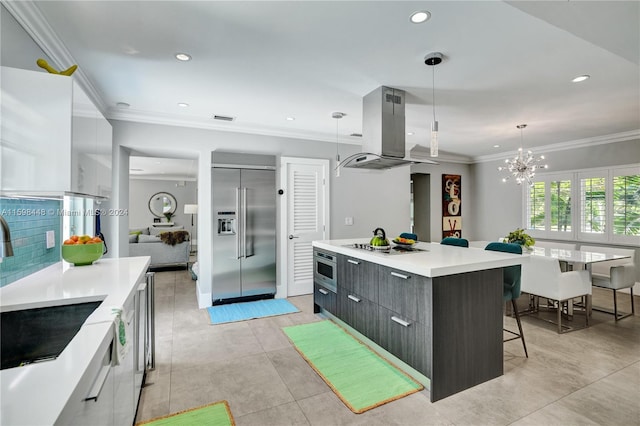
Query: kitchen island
{"type": "Point", "coordinates": [54, 391]}
{"type": "Point", "coordinates": [437, 309]}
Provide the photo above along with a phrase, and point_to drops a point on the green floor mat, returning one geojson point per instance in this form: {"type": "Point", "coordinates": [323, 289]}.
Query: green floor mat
{"type": "Point", "coordinates": [216, 414]}
{"type": "Point", "coordinates": [360, 377]}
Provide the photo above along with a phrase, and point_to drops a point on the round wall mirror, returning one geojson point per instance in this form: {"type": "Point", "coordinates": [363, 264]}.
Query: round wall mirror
{"type": "Point", "coordinates": [162, 203]}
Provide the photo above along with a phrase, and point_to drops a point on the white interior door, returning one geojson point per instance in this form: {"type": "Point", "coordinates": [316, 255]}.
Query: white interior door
{"type": "Point", "coordinates": [307, 218]}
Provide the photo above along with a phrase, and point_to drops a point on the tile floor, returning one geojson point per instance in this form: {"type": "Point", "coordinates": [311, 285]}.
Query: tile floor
{"type": "Point", "coordinates": [585, 377]}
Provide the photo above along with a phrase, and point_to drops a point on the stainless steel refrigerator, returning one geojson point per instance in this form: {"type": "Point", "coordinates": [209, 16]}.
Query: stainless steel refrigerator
{"type": "Point", "coordinates": [244, 240]}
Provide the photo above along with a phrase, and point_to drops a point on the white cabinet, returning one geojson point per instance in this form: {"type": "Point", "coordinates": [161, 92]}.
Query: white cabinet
{"type": "Point", "coordinates": [90, 147]}
{"type": "Point", "coordinates": [123, 374]}
{"type": "Point", "coordinates": [54, 139]}
{"type": "Point", "coordinates": [92, 402]}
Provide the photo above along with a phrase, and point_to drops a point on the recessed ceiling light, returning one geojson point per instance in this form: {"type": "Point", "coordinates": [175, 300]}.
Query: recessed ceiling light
{"type": "Point", "coordinates": [410, 134]}
{"type": "Point", "coordinates": [420, 17]}
{"type": "Point", "coordinates": [290, 118]}
{"type": "Point", "coordinates": [580, 78]}
{"type": "Point", "coordinates": [122, 105]}
{"type": "Point", "coordinates": [183, 104]}
{"type": "Point", "coordinates": [496, 146]}
{"type": "Point", "coordinates": [183, 57]}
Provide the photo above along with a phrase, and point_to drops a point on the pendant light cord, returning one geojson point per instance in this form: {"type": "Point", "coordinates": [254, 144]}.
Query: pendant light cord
{"type": "Point", "coordinates": [337, 143]}
{"type": "Point", "coordinates": [433, 90]}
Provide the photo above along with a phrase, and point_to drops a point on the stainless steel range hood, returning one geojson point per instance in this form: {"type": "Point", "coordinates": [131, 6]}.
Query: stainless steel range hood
{"type": "Point", "coordinates": [383, 131]}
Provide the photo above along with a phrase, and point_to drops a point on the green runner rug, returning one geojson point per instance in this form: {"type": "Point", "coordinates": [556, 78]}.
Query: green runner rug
{"type": "Point", "coordinates": [216, 414]}
{"type": "Point", "coordinates": [360, 377]}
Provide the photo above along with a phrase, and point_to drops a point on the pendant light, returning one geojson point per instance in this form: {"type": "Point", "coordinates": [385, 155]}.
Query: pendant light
{"type": "Point", "coordinates": [337, 116]}
{"type": "Point", "coordinates": [522, 167]}
{"type": "Point", "coordinates": [433, 59]}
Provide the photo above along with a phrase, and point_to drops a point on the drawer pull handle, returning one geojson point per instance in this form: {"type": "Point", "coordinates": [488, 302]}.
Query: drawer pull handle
{"type": "Point", "coordinates": [404, 277]}
{"type": "Point", "coordinates": [355, 299]}
{"type": "Point", "coordinates": [323, 291]}
{"type": "Point", "coordinates": [355, 262]}
{"type": "Point", "coordinates": [400, 321]}
{"type": "Point", "coordinates": [101, 379]}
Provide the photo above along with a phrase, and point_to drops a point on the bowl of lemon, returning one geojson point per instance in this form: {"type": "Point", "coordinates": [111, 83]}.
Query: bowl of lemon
{"type": "Point", "coordinates": [82, 250]}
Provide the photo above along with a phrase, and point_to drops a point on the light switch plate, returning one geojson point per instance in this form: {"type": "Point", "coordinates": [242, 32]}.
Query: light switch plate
{"type": "Point", "coordinates": [51, 239]}
{"type": "Point", "coordinates": [348, 220]}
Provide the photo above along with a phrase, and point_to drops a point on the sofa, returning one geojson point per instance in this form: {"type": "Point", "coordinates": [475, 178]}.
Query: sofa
{"type": "Point", "coordinates": [149, 242]}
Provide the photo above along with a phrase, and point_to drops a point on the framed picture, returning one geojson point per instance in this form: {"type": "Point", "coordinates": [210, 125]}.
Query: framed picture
{"type": "Point", "coordinates": [451, 206]}
{"type": "Point", "coordinates": [156, 220]}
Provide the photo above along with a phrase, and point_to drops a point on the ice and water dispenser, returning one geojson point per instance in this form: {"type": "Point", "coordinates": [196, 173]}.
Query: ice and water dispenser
{"type": "Point", "coordinates": [226, 223]}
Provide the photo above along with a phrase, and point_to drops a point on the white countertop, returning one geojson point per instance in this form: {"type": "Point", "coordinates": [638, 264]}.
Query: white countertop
{"type": "Point", "coordinates": [437, 261]}
{"type": "Point", "coordinates": [36, 394]}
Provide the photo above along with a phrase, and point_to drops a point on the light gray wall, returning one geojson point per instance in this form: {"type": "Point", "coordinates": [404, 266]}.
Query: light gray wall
{"type": "Point", "coordinates": [372, 198]}
{"type": "Point", "coordinates": [498, 206]}
{"type": "Point", "coordinates": [18, 48]}
{"type": "Point", "coordinates": [467, 192]}
{"type": "Point", "coordinates": [140, 190]}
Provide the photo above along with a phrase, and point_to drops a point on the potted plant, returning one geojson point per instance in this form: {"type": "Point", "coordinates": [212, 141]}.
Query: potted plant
{"type": "Point", "coordinates": [520, 237]}
{"type": "Point", "coordinates": [168, 215]}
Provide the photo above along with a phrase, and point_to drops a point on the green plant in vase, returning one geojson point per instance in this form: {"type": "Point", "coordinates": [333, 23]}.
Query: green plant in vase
{"type": "Point", "coordinates": [520, 237]}
{"type": "Point", "coordinates": [168, 215]}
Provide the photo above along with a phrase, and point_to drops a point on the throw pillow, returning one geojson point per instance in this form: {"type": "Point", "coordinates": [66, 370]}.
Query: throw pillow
{"type": "Point", "coordinates": [157, 230]}
{"type": "Point", "coordinates": [139, 231]}
{"type": "Point", "coordinates": [148, 239]}
{"type": "Point", "coordinates": [174, 237]}
{"type": "Point", "coordinates": [133, 238]}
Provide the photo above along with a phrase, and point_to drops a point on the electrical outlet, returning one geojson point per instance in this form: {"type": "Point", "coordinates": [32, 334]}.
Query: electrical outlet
{"type": "Point", "coordinates": [51, 239]}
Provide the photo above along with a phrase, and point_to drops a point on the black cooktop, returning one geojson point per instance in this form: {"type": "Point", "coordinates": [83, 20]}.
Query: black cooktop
{"type": "Point", "coordinates": [396, 249]}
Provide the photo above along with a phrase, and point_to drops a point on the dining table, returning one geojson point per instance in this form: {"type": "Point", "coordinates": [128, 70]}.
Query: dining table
{"type": "Point", "coordinates": [579, 259]}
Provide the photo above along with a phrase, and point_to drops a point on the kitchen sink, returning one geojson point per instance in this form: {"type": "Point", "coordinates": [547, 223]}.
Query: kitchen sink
{"type": "Point", "coordinates": [40, 334]}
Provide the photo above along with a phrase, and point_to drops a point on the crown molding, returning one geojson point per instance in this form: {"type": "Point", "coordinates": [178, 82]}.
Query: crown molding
{"type": "Point", "coordinates": [138, 116]}
{"type": "Point", "coordinates": [34, 23]}
{"type": "Point", "coordinates": [563, 146]}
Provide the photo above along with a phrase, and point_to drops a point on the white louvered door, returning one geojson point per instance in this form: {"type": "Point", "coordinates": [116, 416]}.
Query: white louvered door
{"type": "Point", "coordinates": [306, 221]}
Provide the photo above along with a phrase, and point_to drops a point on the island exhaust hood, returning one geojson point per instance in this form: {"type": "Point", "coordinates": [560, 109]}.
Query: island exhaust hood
{"type": "Point", "coordinates": [383, 131]}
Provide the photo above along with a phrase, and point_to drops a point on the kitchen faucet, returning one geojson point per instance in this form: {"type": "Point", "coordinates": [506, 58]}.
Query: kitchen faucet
{"type": "Point", "coordinates": [6, 249]}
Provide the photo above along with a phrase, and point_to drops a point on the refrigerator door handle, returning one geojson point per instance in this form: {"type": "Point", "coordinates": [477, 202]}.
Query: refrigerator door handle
{"type": "Point", "coordinates": [244, 224]}
{"type": "Point", "coordinates": [238, 256]}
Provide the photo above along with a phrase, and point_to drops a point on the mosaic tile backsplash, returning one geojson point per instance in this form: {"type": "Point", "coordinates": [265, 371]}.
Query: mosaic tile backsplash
{"type": "Point", "coordinates": [29, 220]}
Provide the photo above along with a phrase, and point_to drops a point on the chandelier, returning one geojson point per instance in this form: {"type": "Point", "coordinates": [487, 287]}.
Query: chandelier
{"type": "Point", "coordinates": [523, 166]}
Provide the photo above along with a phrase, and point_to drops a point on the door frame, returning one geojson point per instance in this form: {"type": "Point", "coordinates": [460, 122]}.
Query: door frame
{"type": "Point", "coordinates": [283, 261]}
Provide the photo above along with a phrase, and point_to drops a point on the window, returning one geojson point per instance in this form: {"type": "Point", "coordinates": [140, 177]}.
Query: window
{"type": "Point", "coordinates": [593, 205]}
{"type": "Point", "coordinates": [600, 205]}
{"type": "Point", "coordinates": [549, 211]}
{"type": "Point", "coordinates": [560, 195]}
{"type": "Point", "coordinates": [536, 207]}
{"type": "Point", "coordinates": [626, 204]}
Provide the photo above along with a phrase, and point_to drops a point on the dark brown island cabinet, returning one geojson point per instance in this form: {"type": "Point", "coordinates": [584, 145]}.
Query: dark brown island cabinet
{"type": "Point", "coordinates": [448, 328]}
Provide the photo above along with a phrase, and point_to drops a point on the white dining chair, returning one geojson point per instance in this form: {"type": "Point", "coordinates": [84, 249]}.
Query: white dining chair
{"type": "Point", "coordinates": [542, 277]}
{"type": "Point", "coordinates": [614, 275]}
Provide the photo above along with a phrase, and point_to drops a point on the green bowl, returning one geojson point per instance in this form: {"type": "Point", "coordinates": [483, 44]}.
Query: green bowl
{"type": "Point", "coordinates": [81, 254]}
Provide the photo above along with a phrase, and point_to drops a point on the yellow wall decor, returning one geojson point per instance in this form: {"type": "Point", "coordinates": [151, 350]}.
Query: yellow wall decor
{"type": "Point", "coordinates": [43, 64]}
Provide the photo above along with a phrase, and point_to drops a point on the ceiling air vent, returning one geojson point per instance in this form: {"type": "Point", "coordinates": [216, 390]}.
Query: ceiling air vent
{"type": "Point", "coordinates": [223, 118]}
